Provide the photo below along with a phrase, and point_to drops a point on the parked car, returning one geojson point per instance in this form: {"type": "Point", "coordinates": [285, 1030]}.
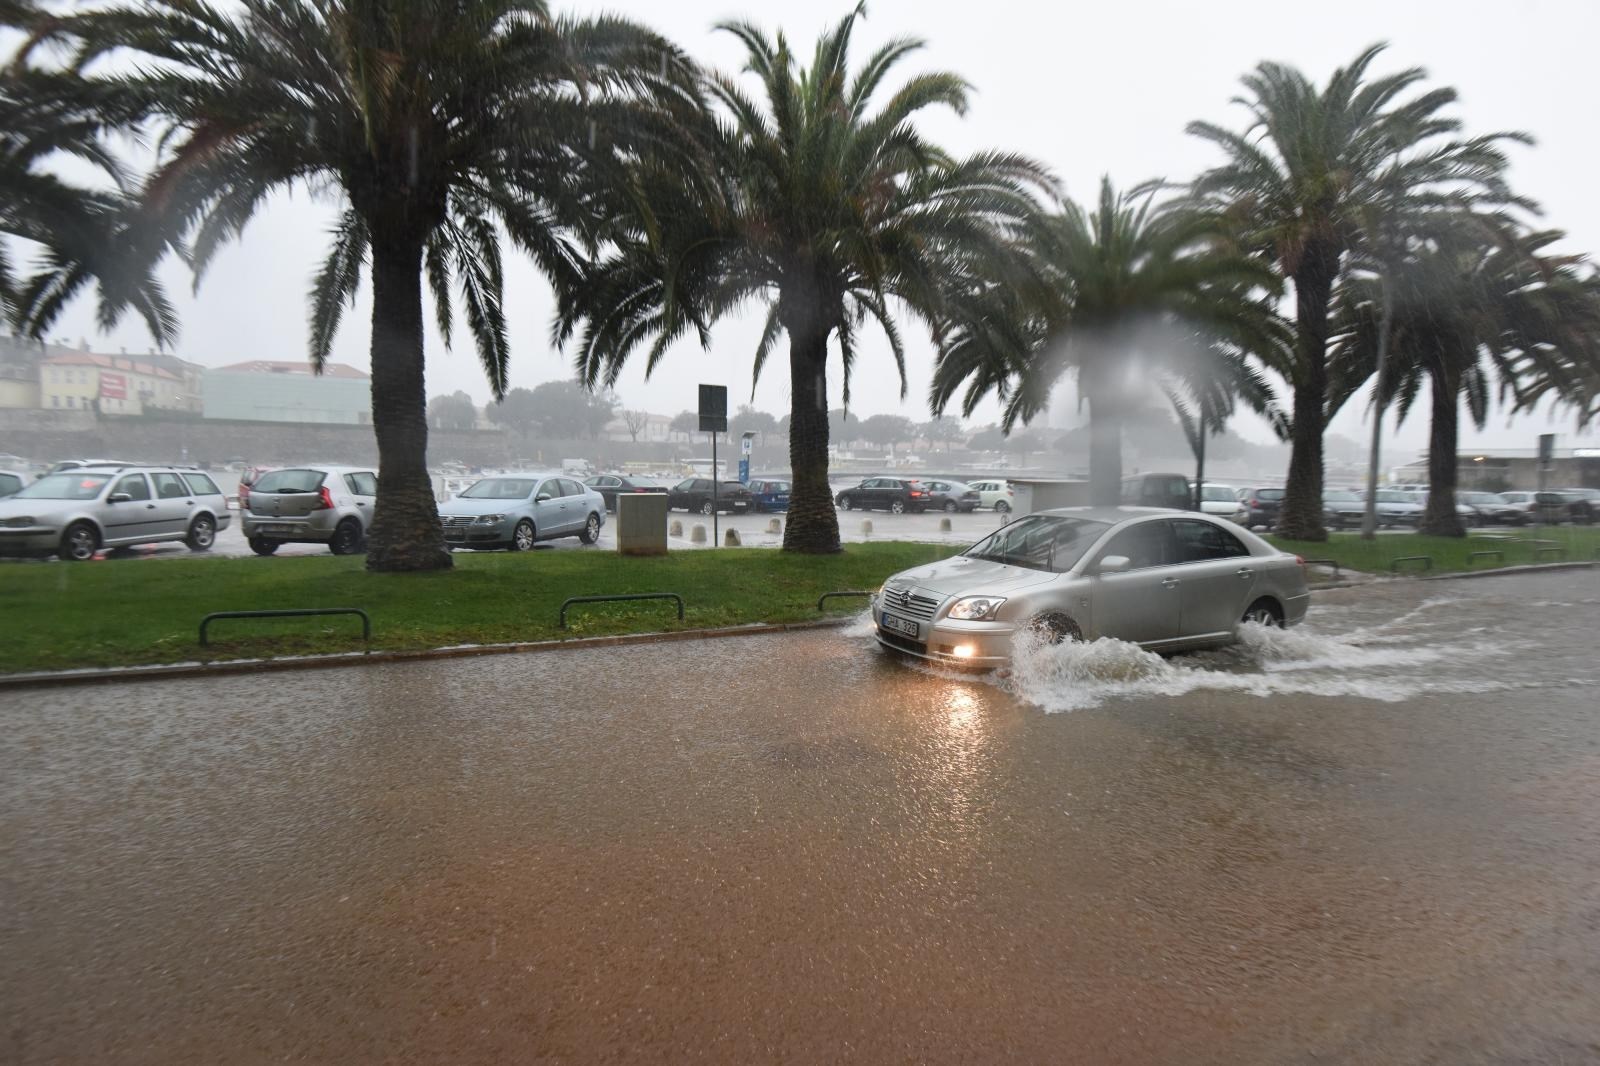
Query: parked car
{"type": "Point", "coordinates": [1162, 580]}
{"type": "Point", "coordinates": [894, 494]}
{"type": "Point", "coordinates": [951, 496]}
{"type": "Point", "coordinates": [1343, 509]}
{"type": "Point", "coordinates": [514, 512]}
{"type": "Point", "coordinates": [1261, 507]}
{"type": "Point", "coordinates": [75, 513]}
{"type": "Point", "coordinates": [248, 477]}
{"type": "Point", "coordinates": [1397, 507]}
{"type": "Point", "coordinates": [1555, 507]}
{"type": "Point", "coordinates": [1158, 490]}
{"type": "Point", "coordinates": [610, 486]}
{"type": "Point", "coordinates": [996, 495]}
{"type": "Point", "coordinates": [694, 494]}
{"type": "Point", "coordinates": [11, 481]}
{"type": "Point", "coordinates": [329, 505]}
{"type": "Point", "coordinates": [769, 495]}
{"type": "Point", "coordinates": [1492, 508]}
{"type": "Point", "coordinates": [74, 464]}
{"type": "Point", "coordinates": [1222, 501]}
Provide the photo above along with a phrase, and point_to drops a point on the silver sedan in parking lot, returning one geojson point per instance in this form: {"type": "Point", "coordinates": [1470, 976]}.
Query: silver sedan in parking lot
{"type": "Point", "coordinates": [1164, 580]}
{"type": "Point", "coordinates": [515, 511]}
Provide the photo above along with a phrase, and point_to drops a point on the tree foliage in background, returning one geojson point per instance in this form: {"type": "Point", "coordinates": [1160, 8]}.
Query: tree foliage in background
{"type": "Point", "coordinates": [888, 429]}
{"type": "Point", "coordinates": [1304, 180]}
{"type": "Point", "coordinates": [455, 412]}
{"type": "Point", "coordinates": [442, 127]}
{"type": "Point", "coordinates": [827, 205]}
{"type": "Point", "coordinates": [1122, 294]}
{"type": "Point", "coordinates": [636, 421]}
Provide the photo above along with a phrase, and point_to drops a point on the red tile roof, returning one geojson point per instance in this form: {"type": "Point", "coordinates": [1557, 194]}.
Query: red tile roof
{"type": "Point", "coordinates": [110, 362]}
{"type": "Point", "coordinates": [268, 366]}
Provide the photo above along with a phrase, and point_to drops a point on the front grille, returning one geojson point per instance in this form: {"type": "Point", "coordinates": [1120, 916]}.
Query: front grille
{"type": "Point", "coordinates": [910, 604]}
{"type": "Point", "coordinates": [895, 640]}
{"type": "Point", "coordinates": [454, 521]}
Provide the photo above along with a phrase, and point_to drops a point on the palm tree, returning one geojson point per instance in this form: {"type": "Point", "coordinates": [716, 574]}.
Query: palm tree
{"type": "Point", "coordinates": [1204, 390]}
{"type": "Point", "coordinates": [1480, 304]}
{"type": "Point", "coordinates": [1119, 294]}
{"type": "Point", "coordinates": [1303, 178]}
{"type": "Point", "coordinates": [827, 209]}
{"type": "Point", "coordinates": [77, 229]}
{"type": "Point", "coordinates": [437, 125]}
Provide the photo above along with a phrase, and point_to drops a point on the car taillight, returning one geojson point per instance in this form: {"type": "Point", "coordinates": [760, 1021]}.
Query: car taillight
{"type": "Point", "coordinates": [915, 494]}
{"type": "Point", "coordinates": [1010, 493]}
{"type": "Point", "coordinates": [1301, 560]}
{"type": "Point", "coordinates": [244, 495]}
{"type": "Point", "coordinates": [324, 500]}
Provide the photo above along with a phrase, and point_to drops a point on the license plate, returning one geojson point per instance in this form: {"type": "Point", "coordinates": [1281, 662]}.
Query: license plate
{"type": "Point", "coordinates": [902, 625]}
{"type": "Point", "coordinates": [277, 529]}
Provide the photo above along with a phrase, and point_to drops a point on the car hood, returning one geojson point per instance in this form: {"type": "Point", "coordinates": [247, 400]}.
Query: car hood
{"type": "Point", "coordinates": [11, 507]}
{"type": "Point", "coordinates": [473, 508]}
{"type": "Point", "coordinates": [963, 574]}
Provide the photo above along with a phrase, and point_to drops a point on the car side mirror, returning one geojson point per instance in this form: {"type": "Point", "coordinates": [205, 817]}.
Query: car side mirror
{"type": "Point", "coordinates": [542, 497]}
{"type": "Point", "coordinates": [119, 497]}
{"type": "Point", "coordinates": [1113, 564]}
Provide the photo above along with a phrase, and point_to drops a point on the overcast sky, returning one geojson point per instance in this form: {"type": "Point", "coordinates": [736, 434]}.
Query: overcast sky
{"type": "Point", "coordinates": [1088, 89]}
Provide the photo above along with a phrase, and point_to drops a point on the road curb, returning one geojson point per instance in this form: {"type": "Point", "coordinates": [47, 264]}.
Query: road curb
{"type": "Point", "coordinates": [59, 678]}
{"type": "Point", "coordinates": [1502, 571]}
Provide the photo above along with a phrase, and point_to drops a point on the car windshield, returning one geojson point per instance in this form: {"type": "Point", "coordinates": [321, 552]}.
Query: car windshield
{"type": "Point", "coordinates": [1394, 497]}
{"type": "Point", "coordinates": [775, 486]}
{"type": "Point", "coordinates": [1340, 497]}
{"type": "Point", "coordinates": [500, 488]}
{"type": "Point", "coordinates": [1217, 493]}
{"type": "Point", "coordinates": [1269, 494]}
{"type": "Point", "coordinates": [1040, 542]}
{"type": "Point", "coordinates": [70, 486]}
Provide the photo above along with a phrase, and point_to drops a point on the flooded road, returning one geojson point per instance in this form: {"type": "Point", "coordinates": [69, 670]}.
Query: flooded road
{"type": "Point", "coordinates": [1374, 839]}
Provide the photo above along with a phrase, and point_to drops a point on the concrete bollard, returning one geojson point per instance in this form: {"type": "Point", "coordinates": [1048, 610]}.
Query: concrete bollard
{"type": "Point", "coordinates": [944, 525]}
{"type": "Point", "coordinates": [866, 528]}
{"type": "Point", "coordinates": [697, 535]}
{"type": "Point", "coordinates": [730, 539]}
{"type": "Point", "coordinates": [774, 526]}
{"type": "Point", "coordinates": [676, 529]}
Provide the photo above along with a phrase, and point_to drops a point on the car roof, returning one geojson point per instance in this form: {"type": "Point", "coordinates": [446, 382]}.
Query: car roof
{"type": "Point", "coordinates": [1117, 514]}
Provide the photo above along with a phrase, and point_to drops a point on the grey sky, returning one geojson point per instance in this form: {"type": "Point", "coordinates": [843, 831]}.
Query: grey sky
{"type": "Point", "coordinates": [1089, 89]}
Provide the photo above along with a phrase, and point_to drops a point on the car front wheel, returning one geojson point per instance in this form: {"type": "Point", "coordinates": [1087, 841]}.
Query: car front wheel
{"type": "Point", "coordinates": [1002, 507]}
{"type": "Point", "coordinates": [202, 533]}
{"type": "Point", "coordinates": [522, 538]}
{"type": "Point", "coordinates": [950, 507]}
{"type": "Point", "coordinates": [591, 530]}
{"type": "Point", "coordinates": [79, 542]}
{"type": "Point", "coordinates": [844, 502]}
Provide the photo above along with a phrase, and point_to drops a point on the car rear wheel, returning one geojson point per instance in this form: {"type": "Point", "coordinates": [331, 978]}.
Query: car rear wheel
{"type": "Point", "coordinates": [346, 538]}
{"type": "Point", "coordinates": [844, 502]}
{"type": "Point", "coordinates": [263, 546]}
{"type": "Point", "coordinates": [202, 533]}
{"type": "Point", "coordinates": [1055, 628]}
{"type": "Point", "coordinates": [897, 507]}
{"type": "Point", "coordinates": [79, 543]}
{"type": "Point", "coordinates": [706, 508]}
{"type": "Point", "coordinates": [1264, 612]}
{"type": "Point", "coordinates": [591, 530]}
{"type": "Point", "coordinates": [523, 537]}
{"type": "Point", "coordinates": [1002, 507]}
{"type": "Point", "coordinates": [950, 507]}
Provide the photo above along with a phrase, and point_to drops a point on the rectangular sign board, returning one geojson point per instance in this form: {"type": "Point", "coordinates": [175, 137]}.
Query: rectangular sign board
{"type": "Point", "coordinates": [1547, 448]}
{"type": "Point", "coordinates": [713, 408]}
{"type": "Point", "coordinates": [113, 386]}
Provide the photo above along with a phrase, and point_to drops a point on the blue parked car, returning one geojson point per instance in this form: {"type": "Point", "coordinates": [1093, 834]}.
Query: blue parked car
{"type": "Point", "coordinates": [770, 495]}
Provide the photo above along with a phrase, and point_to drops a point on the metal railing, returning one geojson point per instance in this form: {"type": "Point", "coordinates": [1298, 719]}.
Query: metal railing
{"type": "Point", "coordinates": [366, 622]}
{"type": "Point", "coordinates": [1333, 563]}
{"type": "Point", "coordinates": [826, 596]}
{"type": "Point", "coordinates": [1500, 555]}
{"type": "Point", "coordinates": [617, 599]}
{"type": "Point", "coordinates": [1425, 560]}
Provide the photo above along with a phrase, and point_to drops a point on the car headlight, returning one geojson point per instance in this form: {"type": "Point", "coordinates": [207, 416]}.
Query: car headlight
{"type": "Point", "coordinates": [490, 519]}
{"type": "Point", "coordinates": [976, 608]}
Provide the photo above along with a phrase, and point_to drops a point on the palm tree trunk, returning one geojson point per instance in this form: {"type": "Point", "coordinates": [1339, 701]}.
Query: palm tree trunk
{"type": "Point", "coordinates": [1301, 518]}
{"type": "Point", "coordinates": [813, 524]}
{"type": "Point", "coordinates": [405, 533]}
{"type": "Point", "coordinates": [1439, 517]}
{"type": "Point", "coordinates": [1369, 517]}
{"type": "Point", "coordinates": [1200, 467]}
{"type": "Point", "coordinates": [1105, 440]}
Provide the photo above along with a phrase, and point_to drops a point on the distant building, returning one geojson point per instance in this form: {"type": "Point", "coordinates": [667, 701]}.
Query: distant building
{"type": "Point", "coordinates": [267, 391]}
{"type": "Point", "coordinates": [1503, 469]}
{"type": "Point", "coordinates": [109, 384]}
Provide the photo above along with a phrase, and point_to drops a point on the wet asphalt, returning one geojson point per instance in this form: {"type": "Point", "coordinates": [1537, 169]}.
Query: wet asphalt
{"type": "Point", "coordinates": [1376, 840]}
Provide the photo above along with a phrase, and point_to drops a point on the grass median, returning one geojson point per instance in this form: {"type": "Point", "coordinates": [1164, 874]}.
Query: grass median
{"type": "Point", "coordinates": [1517, 546]}
{"type": "Point", "coordinates": [127, 612]}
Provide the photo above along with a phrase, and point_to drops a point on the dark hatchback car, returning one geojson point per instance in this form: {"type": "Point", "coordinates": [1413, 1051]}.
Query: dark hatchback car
{"type": "Point", "coordinates": [694, 494]}
{"type": "Point", "coordinates": [952, 496]}
{"type": "Point", "coordinates": [610, 486]}
{"type": "Point", "coordinates": [895, 494]}
{"type": "Point", "coordinates": [1262, 507]}
{"type": "Point", "coordinates": [1564, 506]}
{"type": "Point", "coordinates": [769, 495]}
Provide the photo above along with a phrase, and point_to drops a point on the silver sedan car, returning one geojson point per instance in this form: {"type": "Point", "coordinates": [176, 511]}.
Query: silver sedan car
{"type": "Point", "coordinates": [1165, 580]}
{"type": "Point", "coordinates": [515, 511]}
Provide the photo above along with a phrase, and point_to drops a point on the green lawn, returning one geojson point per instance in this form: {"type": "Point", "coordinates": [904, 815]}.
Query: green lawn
{"type": "Point", "coordinates": [63, 615]}
{"type": "Point", "coordinates": [1450, 554]}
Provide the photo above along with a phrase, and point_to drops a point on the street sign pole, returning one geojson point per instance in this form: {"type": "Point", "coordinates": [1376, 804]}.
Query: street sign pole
{"type": "Point", "coordinates": [715, 512]}
{"type": "Point", "coordinates": [714, 420]}
{"type": "Point", "coordinates": [1547, 451]}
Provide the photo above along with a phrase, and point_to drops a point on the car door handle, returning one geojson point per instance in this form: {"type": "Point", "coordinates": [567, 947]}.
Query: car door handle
{"type": "Point", "coordinates": [149, 507]}
{"type": "Point", "coordinates": [1169, 582]}
{"type": "Point", "coordinates": [1244, 571]}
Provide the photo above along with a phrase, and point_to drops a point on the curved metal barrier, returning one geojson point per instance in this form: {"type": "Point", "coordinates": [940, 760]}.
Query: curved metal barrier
{"type": "Point", "coordinates": [1425, 560]}
{"type": "Point", "coordinates": [1499, 555]}
{"type": "Point", "coordinates": [366, 622]}
{"type": "Point", "coordinates": [826, 596]}
{"type": "Point", "coordinates": [618, 598]}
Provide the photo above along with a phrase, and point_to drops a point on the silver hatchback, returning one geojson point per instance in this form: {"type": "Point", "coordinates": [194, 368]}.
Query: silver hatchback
{"type": "Point", "coordinates": [75, 513]}
{"type": "Point", "coordinates": [1165, 580]}
{"type": "Point", "coordinates": [330, 505]}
